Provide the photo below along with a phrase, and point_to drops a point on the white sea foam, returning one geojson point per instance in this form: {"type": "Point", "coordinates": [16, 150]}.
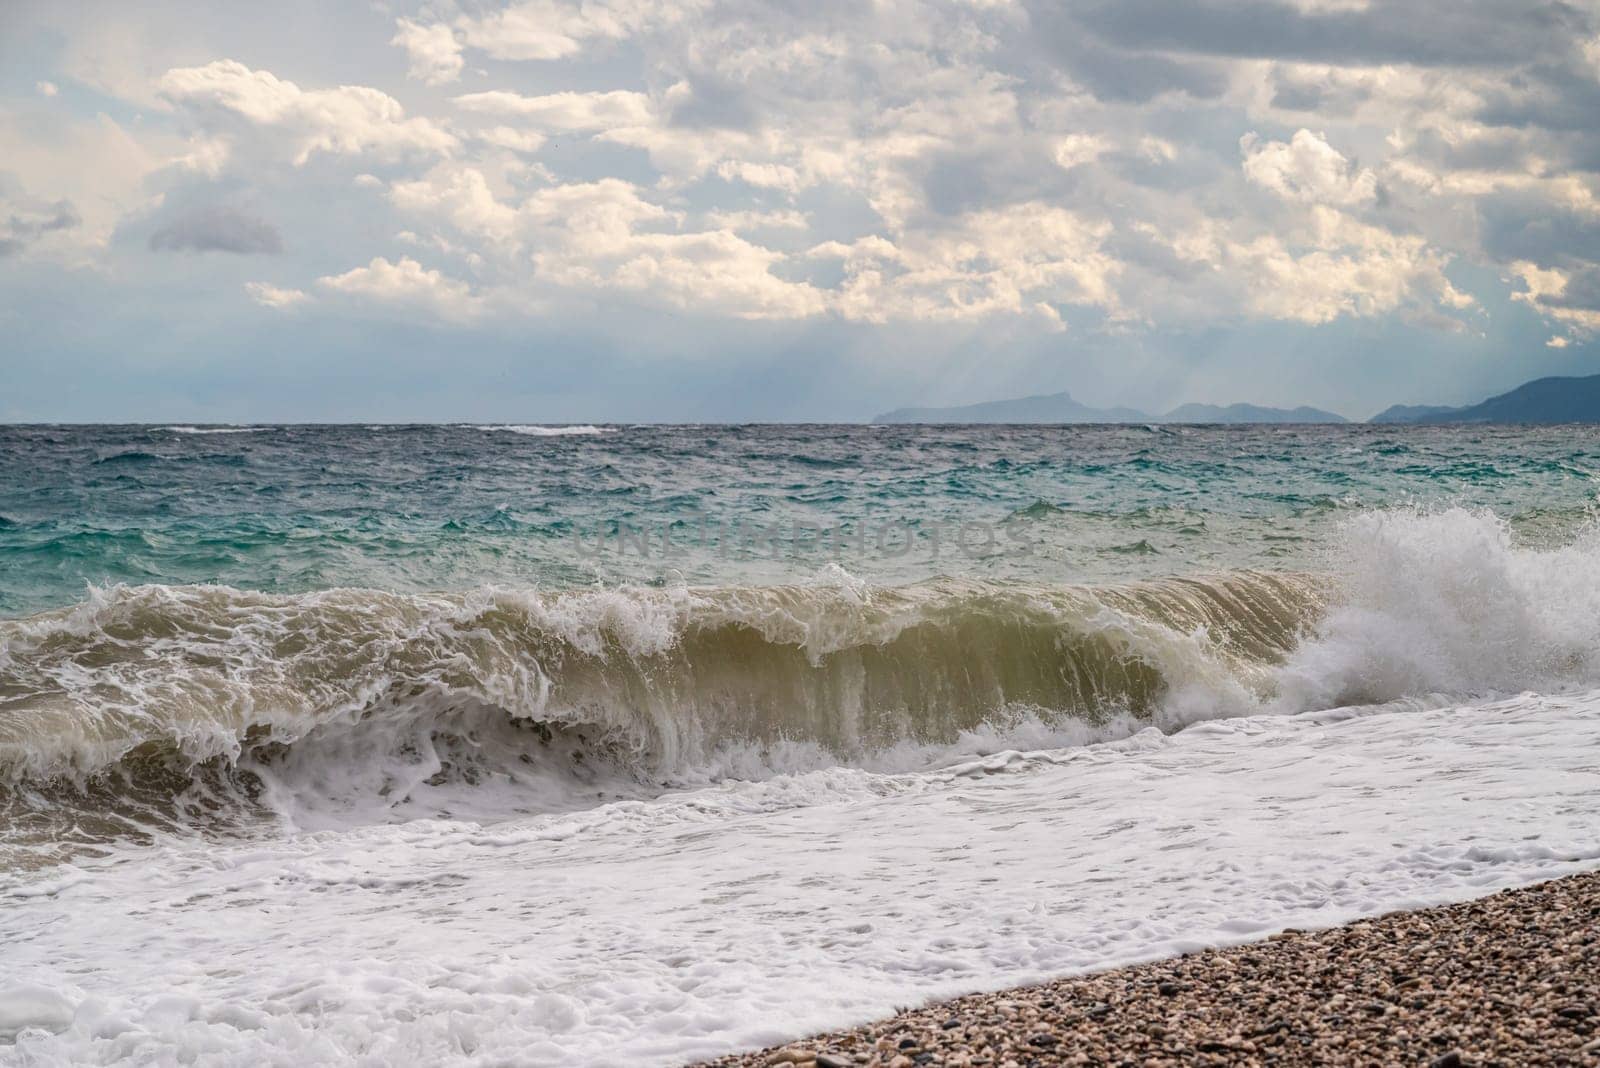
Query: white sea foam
{"type": "Point", "coordinates": [1449, 602]}
{"type": "Point", "coordinates": [216, 429]}
{"type": "Point", "coordinates": [536, 431]}
{"type": "Point", "coordinates": [656, 931]}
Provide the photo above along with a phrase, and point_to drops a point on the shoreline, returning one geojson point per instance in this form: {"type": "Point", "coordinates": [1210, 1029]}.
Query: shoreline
{"type": "Point", "coordinates": [1509, 979]}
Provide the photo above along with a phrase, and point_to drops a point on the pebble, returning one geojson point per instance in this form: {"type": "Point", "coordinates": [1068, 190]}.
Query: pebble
{"type": "Point", "coordinates": [1511, 979]}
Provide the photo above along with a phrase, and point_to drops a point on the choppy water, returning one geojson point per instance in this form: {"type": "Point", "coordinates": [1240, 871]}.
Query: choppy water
{"type": "Point", "coordinates": [281, 689]}
{"type": "Point", "coordinates": [421, 509]}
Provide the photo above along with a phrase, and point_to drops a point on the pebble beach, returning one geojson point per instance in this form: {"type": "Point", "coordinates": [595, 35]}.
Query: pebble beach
{"type": "Point", "coordinates": [1512, 979]}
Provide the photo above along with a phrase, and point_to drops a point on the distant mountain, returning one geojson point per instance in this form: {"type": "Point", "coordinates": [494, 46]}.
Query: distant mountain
{"type": "Point", "coordinates": [1046, 408]}
{"type": "Point", "coordinates": [1248, 413]}
{"type": "Point", "coordinates": [1544, 400]}
{"type": "Point", "coordinates": [1411, 413]}
{"type": "Point", "coordinates": [1061, 408]}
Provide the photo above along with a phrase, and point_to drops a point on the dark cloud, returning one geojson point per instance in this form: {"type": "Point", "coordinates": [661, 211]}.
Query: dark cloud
{"type": "Point", "coordinates": [1297, 97]}
{"type": "Point", "coordinates": [216, 228]}
{"type": "Point", "coordinates": [714, 103]}
{"type": "Point", "coordinates": [1141, 250]}
{"type": "Point", "coordinates": [1582, 291]}
{"type": "Point", "coordinates": [1520, 226]}
{"type": "Point", "coordinates": [956, 183]}
{"type": "Point", "coordinates": [1551, 98]}
{"type": "Point", "coordinates": [1498, 150]}
{"type": "Point", "coordinates": [1475, 33]}
{"type": "Point", "coordinates": [1116, 74]}
{"type": "Point", "coordinates": [1134, 78]}
{"type": "Point", "coordinates": [23, 225]}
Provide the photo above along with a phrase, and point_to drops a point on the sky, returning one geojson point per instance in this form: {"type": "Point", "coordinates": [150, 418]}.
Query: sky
{"type": "Point", "coordinates": [697, 210]}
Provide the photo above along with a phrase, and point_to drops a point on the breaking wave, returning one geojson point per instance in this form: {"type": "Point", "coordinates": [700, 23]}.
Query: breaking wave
{"type": "Point", "coordinates": [174, 700]}
{"type": "Point", "coordinates": [546, 431]}
{"type": "Point", "coordinates": [662, 676]}
{"type": "Point", "coordinates": [216, 429]}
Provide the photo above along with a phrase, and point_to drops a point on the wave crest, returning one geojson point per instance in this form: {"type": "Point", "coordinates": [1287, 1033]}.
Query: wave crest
{"type": "Point", "coordinates": [212, 692]}
{"type": "Point", "coordinates": [663, 675]}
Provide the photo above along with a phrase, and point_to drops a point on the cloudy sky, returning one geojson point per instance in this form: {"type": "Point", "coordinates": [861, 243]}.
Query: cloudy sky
{"type": "Point", "coordinates": [574, 210]}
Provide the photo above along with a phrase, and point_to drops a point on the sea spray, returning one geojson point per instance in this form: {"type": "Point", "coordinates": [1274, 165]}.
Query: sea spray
{"type": "Point", "coordinates": [1448, 601]}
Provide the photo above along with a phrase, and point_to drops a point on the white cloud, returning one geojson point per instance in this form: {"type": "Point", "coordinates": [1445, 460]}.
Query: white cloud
{"type": "Point", "coordinates": [757, 220]}
{"type": "Point", "coordinates": [593, 236]}
{"type": "Point", "coordinates": [434, 52]}
{"type": "Point", "coordinates": [1350, 269]}
{"type": "Point", "coordinates": [46, 88]}
{"type": "Point", "coordinates": [905, 141]}
{"type": "Point", "coordinates": [1558, 343]}
{"type": "Point", "coordinates": [712, 270]}
{"type": "Point", "coordinates": [348, 120]}
{"type": "Point", "coordinates": [1157, 149]}
{"type": "Point", "coordinates": [762, 175]}
{"type": "Point", "coordinates": [1330, 267]}
{"type": "Point", "coordinates": [1320, 286]}
{"type": "Point", "coordinates": [566, 111]}
{"type": "Point", "coordinates": [1330, 7]}
{"type": "Point", "coordinates": [1306, 168]}
{"type": "Point", "coordinates": [552, 29]}
{"type": "Point", "coordinates": [1543, 288]}
{"type": "Point", "coordinates": [406, 283]}
{"type": "Point", "coordinates": [271, 296]}
{"type": "Point", "coordinates": [1074, 150]}
{"type": "Point", "coordinates": [462, 196]}
{"type": "Point", "coordinates": [508, 137]}
{"type": "Point", "coordinates": [608, 236]}
{"type": "Point", "coordinates": [522, 33]}
{"type": "Point", "coordinates": [1022, 260]}
{"type": "Point", "coordinates": [1591, 52]}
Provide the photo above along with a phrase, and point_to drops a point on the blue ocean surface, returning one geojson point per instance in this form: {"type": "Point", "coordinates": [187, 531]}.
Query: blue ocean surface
{"type": "Point", "coordinates": [431, 508]}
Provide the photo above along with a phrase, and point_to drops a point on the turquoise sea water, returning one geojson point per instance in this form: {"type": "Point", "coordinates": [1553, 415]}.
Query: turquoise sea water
{"type": "Point", "coordinates": [431, 508]}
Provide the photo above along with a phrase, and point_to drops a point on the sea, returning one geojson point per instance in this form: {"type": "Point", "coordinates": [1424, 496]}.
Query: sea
{"type": "Point", "coordinates": [602, 745]}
